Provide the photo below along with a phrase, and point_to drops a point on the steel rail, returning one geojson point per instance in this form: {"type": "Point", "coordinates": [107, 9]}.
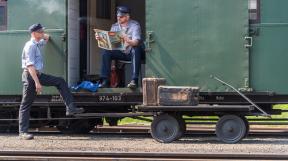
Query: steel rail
{"type": "Point", "coordinates": [191, 130]}
{"type": "Point", "coordinates": [62, 155]}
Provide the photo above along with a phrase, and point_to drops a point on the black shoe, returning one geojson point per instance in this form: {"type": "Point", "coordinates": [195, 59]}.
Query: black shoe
{"type": "Point", "coordinates": [104, 84]}
{"type": "Point", "coordinates": [133, 84]}
{"type": "Point", "coordinates": [73, 111]}
{"type": "Point", "coordinates": [26, 136]}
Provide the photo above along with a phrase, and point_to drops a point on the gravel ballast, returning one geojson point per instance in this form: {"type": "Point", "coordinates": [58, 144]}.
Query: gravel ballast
{"type": "Point", "coordinates": [118, 143]}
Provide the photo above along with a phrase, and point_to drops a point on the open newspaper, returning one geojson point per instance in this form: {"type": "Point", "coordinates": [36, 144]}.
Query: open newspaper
{"type": "Point", "coordinates": [110, 40]}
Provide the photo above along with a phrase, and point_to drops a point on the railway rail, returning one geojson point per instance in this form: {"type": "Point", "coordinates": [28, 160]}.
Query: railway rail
{"type": "Point", "coordinates": [191, 130]}
{"type": "Point", "coordinates": [95, 156]}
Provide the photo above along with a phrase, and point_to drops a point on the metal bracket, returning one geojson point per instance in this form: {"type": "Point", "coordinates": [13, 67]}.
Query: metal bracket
{"type": "Point", "coordinates": [63, 36]}
{"type": "Point", "coordinates": [49, 116]}
{"type": "Point", "coordinates": [149, 40]}
{"type": "Point", "coordinates": [250, 42]}
{"type": "Point", "coordinates": [246, 87]}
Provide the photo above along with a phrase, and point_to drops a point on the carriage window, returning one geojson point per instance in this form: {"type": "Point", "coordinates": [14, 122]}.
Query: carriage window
{"type": "Point", "coordinates": [254, 11]}
{"type": "Point", "coordinates": [3, 15]}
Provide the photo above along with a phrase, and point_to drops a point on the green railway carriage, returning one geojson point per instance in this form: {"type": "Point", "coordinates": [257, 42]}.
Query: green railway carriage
{"type": "Point", "coordinates": [241, 41]}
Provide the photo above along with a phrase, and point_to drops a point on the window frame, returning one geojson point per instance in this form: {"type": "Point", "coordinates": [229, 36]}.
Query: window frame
{"type": "Point", "coordinates": [257, 11]}
{"type": "Point", "coordinates": [3, 3]}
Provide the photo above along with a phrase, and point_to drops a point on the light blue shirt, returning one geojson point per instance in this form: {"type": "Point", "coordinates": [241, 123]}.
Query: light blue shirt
{"type": "Point", "coordinates": [31, 54]}
{"type": "Point", "coordinates": [133, 30]}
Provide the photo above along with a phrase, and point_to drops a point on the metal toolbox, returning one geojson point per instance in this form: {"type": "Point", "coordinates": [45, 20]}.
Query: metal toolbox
{"type": "Point", "coordinates": [178, 96]}
{"type": "Point", "coordinates": [150, 90]}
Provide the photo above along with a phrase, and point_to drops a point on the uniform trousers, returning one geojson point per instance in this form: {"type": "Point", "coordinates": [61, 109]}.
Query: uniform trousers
{"type": "Point", "coordinates": [134, 55]}
{"type": "Point", "coordinates": [29, 94]}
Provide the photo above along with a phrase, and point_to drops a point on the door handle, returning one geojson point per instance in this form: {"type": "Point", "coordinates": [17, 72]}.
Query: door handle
{"type": "Point", "coordinates": [249, 39]}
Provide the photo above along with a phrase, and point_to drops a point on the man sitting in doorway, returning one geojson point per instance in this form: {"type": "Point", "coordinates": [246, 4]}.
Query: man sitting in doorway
{"type": "Point", "coordinates": [132, 38]}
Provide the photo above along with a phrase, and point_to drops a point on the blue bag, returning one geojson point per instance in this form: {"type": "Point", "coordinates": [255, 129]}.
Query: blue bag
{"type": "Point", "coordinates": [86, 85]}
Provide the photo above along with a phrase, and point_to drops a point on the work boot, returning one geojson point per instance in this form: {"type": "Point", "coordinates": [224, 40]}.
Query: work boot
{"type": "Point", "coordinates": [73, 110]}
{"type": "Point", "coordinates": [133, 84]}
{"type": "Point", "coordinates": [26, 136]}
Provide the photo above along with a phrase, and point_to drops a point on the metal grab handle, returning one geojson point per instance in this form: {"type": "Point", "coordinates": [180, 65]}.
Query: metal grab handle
{"type": "Point", "coordinates": [148, 41]}
{"type": "Point", "coordinates": [250, 41]}
{"type": "Point", "coordinates": [242, 95]}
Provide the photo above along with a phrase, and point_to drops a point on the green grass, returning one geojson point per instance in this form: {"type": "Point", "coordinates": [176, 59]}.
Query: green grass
{"type": "Point", "coordinates": [284, 114]}
{"type": "Point", "coordinates": [127, 120]}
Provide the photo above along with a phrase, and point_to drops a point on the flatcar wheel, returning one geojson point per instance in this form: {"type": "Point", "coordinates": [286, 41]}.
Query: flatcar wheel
{"type": "Point", "coordinates": [182, 125]}
{"type": "Point", "coordinates": [165, 128]}
{"type": "Point", "coordinates": [76, 126]}
{"type": "Point", "coordinates": [247, 126]}
{"type": "Point", "coordinates": [230, 129]}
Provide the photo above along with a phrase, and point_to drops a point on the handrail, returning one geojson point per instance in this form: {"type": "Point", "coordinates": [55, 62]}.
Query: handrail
{"type": "Point", "coordinates": [242, 95]}
{"type": "Point", "coordinates": [26, 31]}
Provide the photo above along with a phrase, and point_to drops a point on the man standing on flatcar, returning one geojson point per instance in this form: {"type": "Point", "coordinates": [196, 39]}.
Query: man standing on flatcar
{"type": "Point", "coordinates": [132, 38]}
{"type": "Point", "coordinates": [33, 79]}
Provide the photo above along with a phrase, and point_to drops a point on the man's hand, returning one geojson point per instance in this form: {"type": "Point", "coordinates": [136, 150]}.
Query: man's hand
{"type": "Point", "coordinates": [46, 37]}
{"type": "Point", "coordinates": [128, 41]}
{"type": "Point", "coordinates": [97, 37]}
{"type": "Point", "coordinates": [33, 73]}
{"type": "Point", "coordinates": [38, 87]}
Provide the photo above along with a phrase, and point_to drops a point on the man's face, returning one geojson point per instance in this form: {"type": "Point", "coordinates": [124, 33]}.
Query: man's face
{"type": "Point", "coordinates": [123, 19]}
{"type": "Point", "coordinates": [38, 34]}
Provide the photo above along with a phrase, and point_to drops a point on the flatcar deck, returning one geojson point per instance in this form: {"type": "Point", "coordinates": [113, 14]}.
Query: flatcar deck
{"type": "Point", "coordinates": [198, 108]}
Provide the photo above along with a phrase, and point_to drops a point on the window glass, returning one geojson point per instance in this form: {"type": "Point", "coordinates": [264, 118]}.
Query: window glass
{"type": "Point", "coordinates": [2, 15]}
{"type": "Point", "coordinates": [252, 4]}
{"type": "Point", "coordinates": [254, 11]}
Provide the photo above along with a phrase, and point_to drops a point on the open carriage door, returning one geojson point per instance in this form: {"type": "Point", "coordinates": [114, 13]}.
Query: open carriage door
{"type": "Point", "coordinates": [20, 15]}
{"type": "Point", "coordinates": [189, 40]}
{"type": "Point", "coordinates": [101, 15]}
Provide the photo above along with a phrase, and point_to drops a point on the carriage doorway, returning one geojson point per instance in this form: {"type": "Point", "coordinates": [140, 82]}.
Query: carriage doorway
{"type": "Point", "coordinates": [101, 14]}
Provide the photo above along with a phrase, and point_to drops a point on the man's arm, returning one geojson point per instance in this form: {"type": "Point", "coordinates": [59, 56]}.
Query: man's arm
{"type": "Point", "coordinates": [131, 42]}
{"type": "Point", "coordinates": [136, 36]}
{"type": "Point", "coordinates": [33, 73]}
{"type": "Point", "coordinates": [44, 40]}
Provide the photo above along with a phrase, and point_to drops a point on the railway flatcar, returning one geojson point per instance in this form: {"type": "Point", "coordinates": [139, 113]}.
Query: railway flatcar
{"type": "Point", "coordinates": [243, 42]}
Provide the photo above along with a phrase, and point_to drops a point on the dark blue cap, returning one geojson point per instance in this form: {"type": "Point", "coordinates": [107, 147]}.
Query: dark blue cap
{"type": "Point", "coordinates": [35, 27]}
{"type": "Point", "coordinates": [123, 10]}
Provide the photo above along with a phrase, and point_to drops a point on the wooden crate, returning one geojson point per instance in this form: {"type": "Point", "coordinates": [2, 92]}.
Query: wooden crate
{"type": "Point", "coordinates": [150, 90]}
{"type": "Point", "coordinates": [178, 96]}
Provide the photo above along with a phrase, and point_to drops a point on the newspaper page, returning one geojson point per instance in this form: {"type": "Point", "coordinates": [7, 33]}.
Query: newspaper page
{"type": "Point", "coordinates": [110, 40]}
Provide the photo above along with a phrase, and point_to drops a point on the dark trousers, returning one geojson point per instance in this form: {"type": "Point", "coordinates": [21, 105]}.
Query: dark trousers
{"type": "Point", "coordinates": [108, 56]}
{"type": "Point", "coordinates": [29, 94]}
